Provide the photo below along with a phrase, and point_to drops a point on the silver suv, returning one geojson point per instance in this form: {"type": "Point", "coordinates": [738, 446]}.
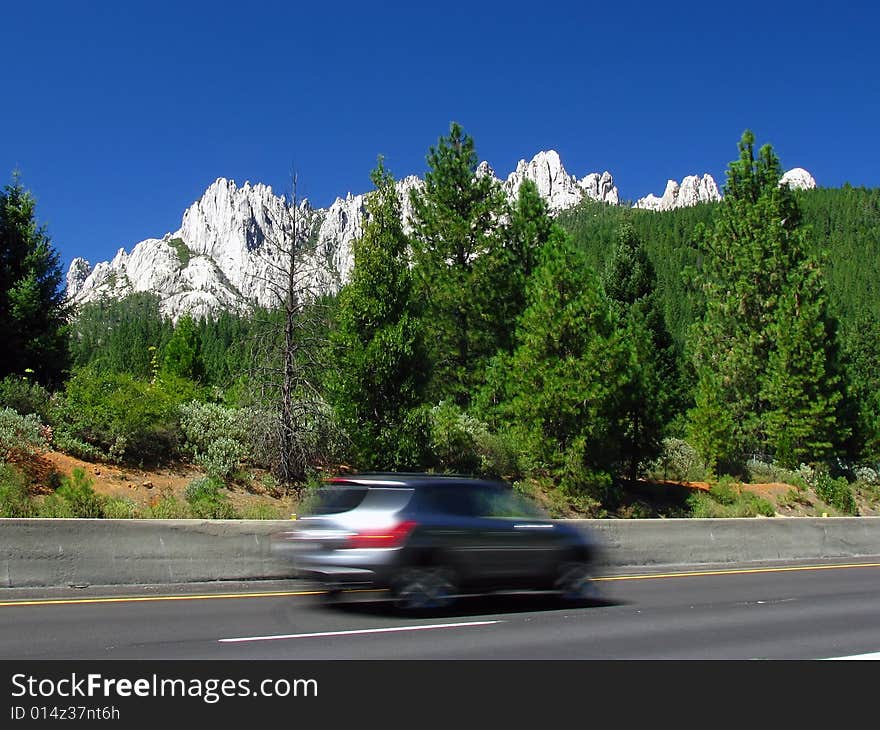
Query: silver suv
{"type": "Point", "coordinates": [429, 538]}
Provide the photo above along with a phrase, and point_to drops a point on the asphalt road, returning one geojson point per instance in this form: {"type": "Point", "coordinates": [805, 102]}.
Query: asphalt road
{"type": "Point", "coordinates": [778, 612]}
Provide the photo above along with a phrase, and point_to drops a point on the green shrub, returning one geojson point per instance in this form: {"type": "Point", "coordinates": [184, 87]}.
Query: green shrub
{"type": "Point", "coordinates": [262, 511]}
{"type": "Point", "coordinates": [725, 491]}
{"type": "Point", "coordinates": [701, 506]}
{"type": "Point", "coordinates": [217, 437]}
{"type": "Point", "coordinates": [453, 439]}
{"type": "Point", "coordinates": [182, 250]}
{"type": "Point", "coordinates": [20, 435]}
{"type": "Point", "coordinates": [461, 443]}
{"type": "Point", "coordinates": [24, 396]}
{"type": "Point", "coordinates": [499, 455]}
{"type": "Point", "coordinates": [120, 508]}
{"type": "Point", "coordinates": [203, 488]}
{"type": "Point", "coordinates": [206, 501]}
{"type": "Point", "coordinates": [222, 457]}
{"type": "Point", "coordinates": [744, 504]}
{"type": "Point", "coordinates": [168, 508]}
{"type": "Point", "coordinates": [54, 506]}
{"type": "Point", "coordinates": [679, 461]}
{"type": "Point", "coordinates": [76, 490]}
{"type": "Point", "coordinates": [71, 445]}
{"type": "Point", "coordinates": [794, 496]}
{"type": "Point", "coordinates": [213, 509]}
{"type": "Point", "coordinates": [14, 498]}
{"type": "Point", "coordinates": [128, 419]}
{"type": "Point", "coordinates": [754, 506]}
{"type": "Point", "coordinates": [837, 493]}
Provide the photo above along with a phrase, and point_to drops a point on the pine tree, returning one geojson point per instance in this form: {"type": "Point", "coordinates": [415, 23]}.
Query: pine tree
{"type": "Point", "coordinates": [456, 246]}
{"type": "Point", "coordinates": [861, 355]}
{"type": "Point", "coordinates": [182, 355]}
{"type": "Point", "coordinates": [529, 229]}
{"type": "Point", "coordinates": [570, 367]}
{"type": "Point", "coordinates": [649, 398]}
{"type": "Point", "coordinates": [380, 366]}
{"type": "Point", "coordinates": [750, 261]}
{"type": "Point", "coordinates": [802, 387]}
{"type": "Point", "coordinates": [33, 311]}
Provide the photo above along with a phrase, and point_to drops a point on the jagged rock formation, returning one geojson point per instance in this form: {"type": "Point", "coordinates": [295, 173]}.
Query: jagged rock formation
{"type": "Point", "coordinates": [226, 253]}
{"type": "Point", "coordinates": [693, 190]}
{"type": "Point", "coordinates": [557, 187]}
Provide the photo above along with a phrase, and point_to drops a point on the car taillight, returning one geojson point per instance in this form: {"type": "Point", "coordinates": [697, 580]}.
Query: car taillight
{"type": "Point", "coordinates": [389, 537]}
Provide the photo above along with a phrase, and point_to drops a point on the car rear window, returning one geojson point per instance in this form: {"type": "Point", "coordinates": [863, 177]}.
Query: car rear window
{"type": "Point", "coordinates": [333, 500]}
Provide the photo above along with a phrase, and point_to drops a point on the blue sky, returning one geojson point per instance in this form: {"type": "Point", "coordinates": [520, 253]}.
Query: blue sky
{"type": "Point", "coordinates": [119, 114]}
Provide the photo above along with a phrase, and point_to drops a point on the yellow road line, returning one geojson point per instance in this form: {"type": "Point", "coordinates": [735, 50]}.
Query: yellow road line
{"type": "Point", "coordinates": [279, 594]}
{"type": "Point", "coordinates": [737, 571]}
{"type": "Point", "coordinates": [143, 599]}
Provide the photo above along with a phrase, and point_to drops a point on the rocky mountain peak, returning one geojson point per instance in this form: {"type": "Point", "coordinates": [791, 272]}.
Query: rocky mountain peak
{"type": "Point", "coordinates": [798, 179]}
{"type": "Point", "coordinates": [221, 257]}
{"type": "Point", "coordinates": [692, 190]}
{"type": "Point", "coordinates": [556, 186]}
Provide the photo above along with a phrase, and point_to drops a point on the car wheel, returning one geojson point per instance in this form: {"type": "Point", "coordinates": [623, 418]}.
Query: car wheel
{"type": "Point", "coordinates": [575, 583]}
{"type": "Point", "coordinates": [419, 589]}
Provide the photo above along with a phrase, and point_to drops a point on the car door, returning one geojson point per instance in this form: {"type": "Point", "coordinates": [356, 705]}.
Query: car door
{"type": "Point", "coordinates": [524, 543]}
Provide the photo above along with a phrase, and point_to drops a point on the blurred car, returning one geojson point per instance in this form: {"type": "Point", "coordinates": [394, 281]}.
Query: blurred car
{"type": "Point", "coordinates": [429, 538]}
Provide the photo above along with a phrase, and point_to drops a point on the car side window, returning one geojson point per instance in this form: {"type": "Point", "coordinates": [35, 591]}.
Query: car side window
{"type": "Point", "coordinates": [503, 503]}
{"type": "Point", "coordinates": [451, 499]}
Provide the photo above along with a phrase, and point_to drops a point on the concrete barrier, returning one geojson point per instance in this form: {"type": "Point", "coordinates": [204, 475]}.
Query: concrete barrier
{"type": "Point", "coordinates": [738, 540]}
{"type": "Point", "coordinates": [62, 552]}
{"type": "Point", "coordinates": [59, 552]}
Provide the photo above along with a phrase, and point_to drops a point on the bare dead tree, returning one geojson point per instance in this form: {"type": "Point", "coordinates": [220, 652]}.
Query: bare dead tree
{"type": "Point", "coordinates": [287, 348]}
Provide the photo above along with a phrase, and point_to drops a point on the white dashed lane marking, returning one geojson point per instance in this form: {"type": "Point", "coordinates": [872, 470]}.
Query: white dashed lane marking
{"type": "Point", "coordinates": [383, 630]}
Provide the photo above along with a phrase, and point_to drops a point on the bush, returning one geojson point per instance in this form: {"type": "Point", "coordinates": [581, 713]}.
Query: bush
{"type": "Point", "coordinates": [203, 488]}
{"type": "Point", "coordinates": [222, 458]}
{"type": "Point", "coordinates": [725, 492]}
{"type": "Point", "coordinates": [80, 449]}
{"type": "Point", "coordinates": [317, 439]}
{"type": "Point", "coordinates": [120, 508]}
{"type": "Point", "coordinates": [728, 501]}
{"type": "Point", "coordinates": [679, 461]}
{"type": "Point", "coordinates": [462, 443]}
{"type": "Point", "coordinates": [54, 506]}
{"type": "Point", "coordinates": [128, 419]}
{"type": "Point", "coordinates": [213, 509]}
{"type": "Point", "coordinates": [24, 397]}
{"type": "Point", "coordinates": [206, 500]}
{"type": "Point", "coordinates": [453, 439]}
{"type": "Point", "coordinates": [262, 511]}
{"type": "Point", "coordinates": [14, 498]}
{"type": "Point", "coordinates": [76, 490]}
{"type": "Point", "coordinates": [837, 493]}
{"type": "Point", "coordinates": [168, 508]}
{"type": "Point", "coordinates": [217, 437]}
{"type": "Point", "coordinates": [867, 475]}
{"type": "Point", "coordinates": [20, 435]}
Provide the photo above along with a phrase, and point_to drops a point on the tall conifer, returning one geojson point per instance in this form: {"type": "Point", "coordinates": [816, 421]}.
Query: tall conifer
{"type": "Point", "coordinates": [456, 247]}
{"type": "Point", "coordinates": [648, 398]}
{"type": "Point", "coordinates": [753, 261]}
{"type": "Point", "coordinates": [380, 366]}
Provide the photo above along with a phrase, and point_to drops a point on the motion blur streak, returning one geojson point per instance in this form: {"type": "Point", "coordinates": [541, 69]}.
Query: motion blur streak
{"type": "Point", "coordinates": [386, 630]}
